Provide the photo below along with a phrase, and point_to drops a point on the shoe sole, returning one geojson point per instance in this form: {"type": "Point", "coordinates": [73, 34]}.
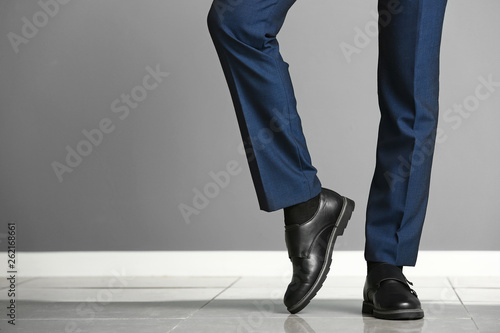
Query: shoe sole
{"type": "Point", "coordinates": [403, 314]}
{"type": "Point", "coordinates": [338, 230]}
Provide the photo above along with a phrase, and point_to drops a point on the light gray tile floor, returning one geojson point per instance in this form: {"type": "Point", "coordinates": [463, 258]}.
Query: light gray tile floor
{"type": "Point", "coordinates": [237, 304]}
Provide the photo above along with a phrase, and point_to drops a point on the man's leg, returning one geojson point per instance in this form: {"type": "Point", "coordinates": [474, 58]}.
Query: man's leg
{"type": "Point", "coordinates": [408, 87]}
{"type": "Point", "coordinates": [244, 33]}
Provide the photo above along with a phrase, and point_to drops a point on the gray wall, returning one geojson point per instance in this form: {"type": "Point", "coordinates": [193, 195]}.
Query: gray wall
{"type": "Point", "coordinates": [72, 72]}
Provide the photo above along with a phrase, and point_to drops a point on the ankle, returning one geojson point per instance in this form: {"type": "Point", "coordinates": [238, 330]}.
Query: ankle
{"type": "Point", "coordinates": [371, 264]}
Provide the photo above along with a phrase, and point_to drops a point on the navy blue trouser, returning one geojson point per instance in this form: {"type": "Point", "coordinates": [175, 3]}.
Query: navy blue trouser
{"type": "Point", "coordinates": [244, 34]}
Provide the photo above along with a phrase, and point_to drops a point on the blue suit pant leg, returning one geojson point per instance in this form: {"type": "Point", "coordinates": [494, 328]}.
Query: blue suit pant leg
{"type": "Point", "coordinates": [244, 34]}
{"type": "Point", "coordinates": [408, 88]}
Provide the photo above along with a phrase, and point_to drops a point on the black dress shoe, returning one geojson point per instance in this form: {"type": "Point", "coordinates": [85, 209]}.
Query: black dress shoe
{"type": "Point", "coordinates": [387, 294]}
{"type": "Point", "coordinates": [310, 247]}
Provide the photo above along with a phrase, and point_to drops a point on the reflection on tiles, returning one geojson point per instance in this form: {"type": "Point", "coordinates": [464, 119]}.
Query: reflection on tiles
{"type": "Point", "coordinates": [94, 326]}
{"type": "Point", "coordinates": [299, 324]}
{"type": "Point", "coordinates": [113, 310]}
{"type": "Point", "coordinates": [114, 295]}
{"type": "Point", "coordinates": [340, 308]}
{"type": "Point", "coordinates": [239, 304]}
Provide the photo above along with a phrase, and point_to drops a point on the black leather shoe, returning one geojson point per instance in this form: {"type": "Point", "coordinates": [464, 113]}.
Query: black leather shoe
{"type": "Point", "coordinates": [387, 294]}
{"type": "Point", "coordinates": [310, 247]}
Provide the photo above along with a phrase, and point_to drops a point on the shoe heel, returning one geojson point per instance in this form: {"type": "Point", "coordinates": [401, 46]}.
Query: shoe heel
{"type": "Point", "coordinates": [367, 308]}
{"type": "Point", "coordinates": [345, 215]}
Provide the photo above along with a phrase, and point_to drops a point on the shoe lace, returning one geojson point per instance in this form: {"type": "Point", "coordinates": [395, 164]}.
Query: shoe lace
{"type": "Point", "coordinates": [411, 290]}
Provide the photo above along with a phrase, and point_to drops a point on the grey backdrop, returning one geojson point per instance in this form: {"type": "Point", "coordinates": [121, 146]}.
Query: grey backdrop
{"type": "Point", "coordinates": [69, 68]}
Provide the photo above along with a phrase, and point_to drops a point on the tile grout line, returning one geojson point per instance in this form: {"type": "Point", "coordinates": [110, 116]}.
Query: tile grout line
{"type": "Point", "coordinates": [461, 302]}
{"type": "Point", "coordinates": [20, 283]}
{"type": "Point", "coordinates": [208, 302]}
